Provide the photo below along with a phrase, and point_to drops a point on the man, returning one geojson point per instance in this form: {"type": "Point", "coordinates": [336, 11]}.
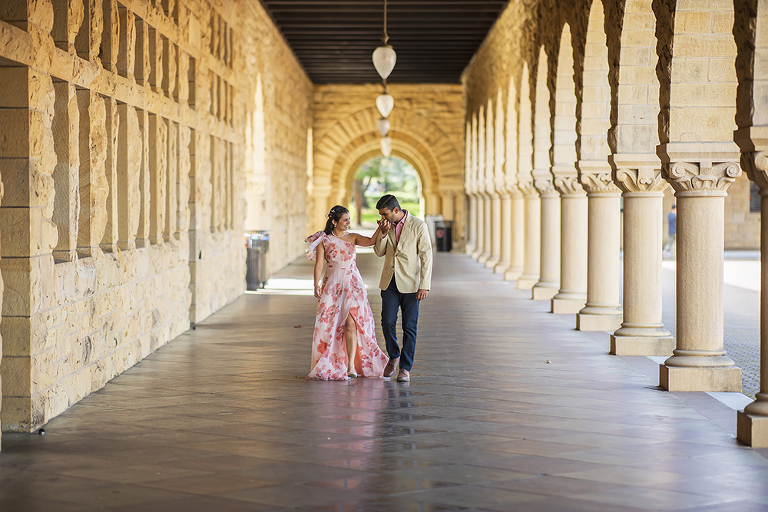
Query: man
{"type": "Point", "coordinates": [405, 280]}
{"type": "Point", "coordinates": [672, 231]}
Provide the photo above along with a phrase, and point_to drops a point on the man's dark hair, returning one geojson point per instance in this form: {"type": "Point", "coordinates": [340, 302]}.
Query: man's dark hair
{"type": "Point", "coordinates": [388, 202]}
{"type": "Point", "coordinates": [674, 206]}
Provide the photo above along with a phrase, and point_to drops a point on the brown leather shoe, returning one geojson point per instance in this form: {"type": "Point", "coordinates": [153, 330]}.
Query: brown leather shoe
{"type": "Point", "coordinates": [403, 375]}
{"type": "Point", "coordinates": [391, 365]}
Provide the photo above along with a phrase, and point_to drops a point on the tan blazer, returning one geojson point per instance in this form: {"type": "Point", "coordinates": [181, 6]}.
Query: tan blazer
{"type": "Point", "coordinates": [409, 260]}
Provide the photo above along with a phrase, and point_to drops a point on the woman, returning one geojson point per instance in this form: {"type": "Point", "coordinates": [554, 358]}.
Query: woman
{"type": "Point", "coordinates": [344, 339]}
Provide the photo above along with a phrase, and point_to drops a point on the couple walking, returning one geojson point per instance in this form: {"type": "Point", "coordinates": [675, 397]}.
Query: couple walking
{"type": "Point", "coordinates": [344, 340]}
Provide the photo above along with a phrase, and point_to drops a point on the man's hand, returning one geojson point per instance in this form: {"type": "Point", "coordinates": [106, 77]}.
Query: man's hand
{"type": "Point", "coordinates": [421, 294]}
{"type": "Point", "coordinates": [384, 224]}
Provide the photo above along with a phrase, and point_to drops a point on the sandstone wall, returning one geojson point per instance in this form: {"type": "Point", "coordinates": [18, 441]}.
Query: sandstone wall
{"type": "Point", "coordinates": [124, 174]}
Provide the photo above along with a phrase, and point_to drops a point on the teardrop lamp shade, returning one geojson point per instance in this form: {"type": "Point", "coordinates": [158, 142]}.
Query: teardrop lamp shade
{"type": "Point", "coordinates": [384, 58]}
{"type": "Point", "coordinates": [386, 146]}
{"type": "Point", "coordinates": [385, 103]}
{"type": "Point", "coordinates": [383, 126]}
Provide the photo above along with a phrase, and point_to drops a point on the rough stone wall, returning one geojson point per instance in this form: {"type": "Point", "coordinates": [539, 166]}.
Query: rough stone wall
{"type": "Point", "coordinates": [278, 96]}
{"type": "Point", "coordinates": [427, 130]}
{"type": "Point", "coordinates": [123, 216]}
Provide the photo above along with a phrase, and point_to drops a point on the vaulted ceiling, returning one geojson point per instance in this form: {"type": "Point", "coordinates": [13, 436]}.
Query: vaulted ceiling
{"type": "Point", "coordinates": [434, 39]}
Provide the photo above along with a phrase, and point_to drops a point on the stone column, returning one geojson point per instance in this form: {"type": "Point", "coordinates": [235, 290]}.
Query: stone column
{"type": "Point", "coordinates": [472, 226]}
{"type": "Point", "coordinates": [480, 226]}
{"type": "Point", "coordinates": [505, 229]}
{"type": "Point", "coordinates": [495, 231]}
{"type": "Point", "coordinates": [603, 309]}
{"type": "Point", "coordinates": [573, 243]}
{"type": "Point", "coordinates": [752, 423]}
{"type": "Point", "coordinates": [549, 270]}
{"type": "Point", "coordinates": [642, 331]}
{"type": "Point", "coordinates": [487, 228]}
{"type": "Point", "coordinates": [532, 234]}
{"type": "Point", "coordinates": [700, 173]}
{"type": "Point", "coordinates": [516, 235]}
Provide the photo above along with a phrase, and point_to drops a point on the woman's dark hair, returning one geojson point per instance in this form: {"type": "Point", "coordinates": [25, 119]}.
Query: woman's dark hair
{"type": "Point", "coordinates": [334, 215]}
{"type": "Point", "coordinates": [389, 202]}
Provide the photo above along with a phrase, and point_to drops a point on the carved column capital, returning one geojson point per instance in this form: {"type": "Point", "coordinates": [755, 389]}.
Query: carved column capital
{"type": "Point", "coordinates": [701, 178]}
{"type": "Point", "coordinates": [545, 187]}
{"type": "Point", "coordinates": [643, 180]}
{"type": "Point", "coordinates": [569, 186]}
{"type": "Point", "coordinates": [595, 177]}
{"type": "Point", "coordinates": [527, 188]}
{"type": "Point", "coordinates": [699, 168]}
{"type": "Point", "coordinates": [753, 142]}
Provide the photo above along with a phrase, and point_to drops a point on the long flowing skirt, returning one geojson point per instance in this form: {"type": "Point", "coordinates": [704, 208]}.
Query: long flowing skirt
{"type": "Point", "coordinates": [344, 294]}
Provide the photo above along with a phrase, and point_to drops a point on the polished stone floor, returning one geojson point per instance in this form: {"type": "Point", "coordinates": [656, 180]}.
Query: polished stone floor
{"type": "Point", "coordinates": [509, 408]}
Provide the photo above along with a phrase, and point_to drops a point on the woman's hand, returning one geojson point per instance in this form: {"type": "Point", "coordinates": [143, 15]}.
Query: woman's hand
{"type": "Point", "coordinates": [318, 290]}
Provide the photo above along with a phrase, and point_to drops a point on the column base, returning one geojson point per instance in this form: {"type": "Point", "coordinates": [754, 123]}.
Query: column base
{"type": "Point", "coordinates": [752, 430]}
{"type": "Point", "coordinates": [526, 282]}
{"type": "Point", "coordinates": [501, 267]}
{"type": "Point", "coordinates": [513, 274]}
{"type": "Point", "coordinates": [483, 257]}
{"type": "Point", "coordinates": [491, 263]}
{"type": "Point", "coordinates": [567, 306]}
{"type": "Point", "coordinates": [476, 254]}
{"type": "Point", "coordinates": [717, 378]}
{"type": "Point", "coordinates": [642, 345]}
{"type": "Point", "coordinates": [469, 249]}
{"type": "Point", "coordinates": [592, 322]}
{"type": "Point", "coordinates": [543, 292]}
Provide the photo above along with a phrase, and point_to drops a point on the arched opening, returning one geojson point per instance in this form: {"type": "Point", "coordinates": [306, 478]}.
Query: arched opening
{"type": "Point", "coordinates": [384, 175]}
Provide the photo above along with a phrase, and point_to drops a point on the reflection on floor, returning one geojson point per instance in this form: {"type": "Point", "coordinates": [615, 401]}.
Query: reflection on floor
{"type": "Point", "coordinates": [509, 408]}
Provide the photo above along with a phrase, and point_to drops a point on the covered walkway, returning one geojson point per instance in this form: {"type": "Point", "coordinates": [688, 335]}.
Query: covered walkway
{"type": "Point", "coordinates": [509, 408]}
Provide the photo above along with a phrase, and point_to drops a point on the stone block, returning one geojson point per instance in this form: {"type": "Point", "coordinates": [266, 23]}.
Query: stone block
{"type": "Point", "coordinates": [642, 345]}
{"type": "Point", "coordinates": [705, 46]}
{"type": "Point", "coordinates": [693, 22]}
{"type": "Point", "coordinates": [567, 306]}
{"type": "Point", "coordinates": [544, 292]}
{"type": "Point", "coordinates": [16, 372]}
{"type": "Point", "coordinates": [673, 378]}
{"type": "Point", "coordinates": [591, 322]}
{"type": "Point", "coordinates": [752, 430]}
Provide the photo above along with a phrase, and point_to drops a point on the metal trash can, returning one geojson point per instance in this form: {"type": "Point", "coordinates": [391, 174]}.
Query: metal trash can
{"type": "Point", "coordinates": [444, 235]}
{"type": "Point", "coordinates": [257, 246]}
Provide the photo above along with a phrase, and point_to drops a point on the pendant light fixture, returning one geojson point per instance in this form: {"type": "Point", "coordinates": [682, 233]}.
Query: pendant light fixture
{"type": "Point", "coordinates": [385, 103]}
{"type": "Point", "coordinates": [386, 146]}
{"type": "Point", "coordinates": [384, 57]}
{"type": "Point", "coordinates": [383, 126]}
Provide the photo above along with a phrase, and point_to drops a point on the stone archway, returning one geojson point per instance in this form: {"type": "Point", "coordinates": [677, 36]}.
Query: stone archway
{"type": "Point", "coordinates": [433, 150]}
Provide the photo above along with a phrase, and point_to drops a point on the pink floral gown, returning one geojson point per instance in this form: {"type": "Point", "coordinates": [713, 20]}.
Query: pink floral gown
{"type": "Point", "coordinates": [343, 294]}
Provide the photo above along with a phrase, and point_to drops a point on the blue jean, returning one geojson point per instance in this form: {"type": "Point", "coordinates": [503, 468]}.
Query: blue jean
{"type": "Point", "coordinates": [391, 300]}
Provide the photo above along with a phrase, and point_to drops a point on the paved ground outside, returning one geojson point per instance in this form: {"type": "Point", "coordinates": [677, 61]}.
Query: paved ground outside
{"type": "Point", "coordinates": [509, 408]}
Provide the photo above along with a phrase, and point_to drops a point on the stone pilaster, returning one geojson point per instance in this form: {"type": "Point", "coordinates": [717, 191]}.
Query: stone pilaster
{"type": "Point", "coordinates": [549, 270]}
{"type": "Point", "coordinates": [532, 233]}
{"type": "Point", "coordinates": [484, 256]}
{"type": "Point", "coordinates": [602, 311]}
{"type": "Point", "coordinates": [700, 173]}
{"type": "Point", "coordinates": [752, 423]}
{"type": "Point", "coordinates": [642, 331]}
{"type": "Point", "coordinates": [573, 243]}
